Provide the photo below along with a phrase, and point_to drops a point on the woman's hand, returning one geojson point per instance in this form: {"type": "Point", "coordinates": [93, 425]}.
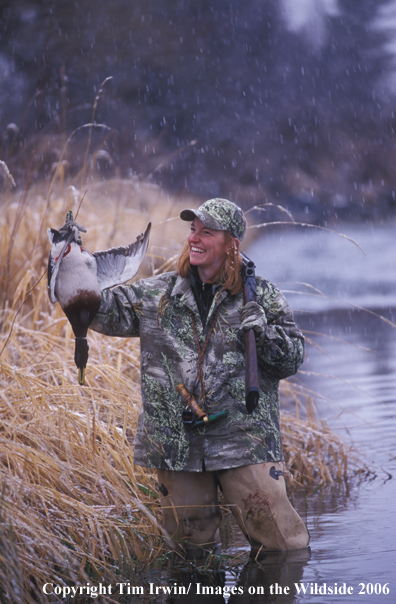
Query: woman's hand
{"type": "Point", "coordinates": [253, 317]}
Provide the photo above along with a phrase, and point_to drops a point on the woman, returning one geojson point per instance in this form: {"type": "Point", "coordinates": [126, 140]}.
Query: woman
{"type": "Point", "coordinates": [191, 325]}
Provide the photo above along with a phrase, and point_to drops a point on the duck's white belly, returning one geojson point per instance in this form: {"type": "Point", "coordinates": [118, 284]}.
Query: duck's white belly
{"type": "Point", "coordinates": [77, 276]}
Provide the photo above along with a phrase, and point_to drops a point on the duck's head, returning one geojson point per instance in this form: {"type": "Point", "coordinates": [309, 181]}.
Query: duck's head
{"type": "Point", "coordinates": [69, 231]}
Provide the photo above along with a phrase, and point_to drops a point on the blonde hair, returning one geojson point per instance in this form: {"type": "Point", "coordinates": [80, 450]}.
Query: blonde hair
{"type": "Point", "coordinates": [229, 274]}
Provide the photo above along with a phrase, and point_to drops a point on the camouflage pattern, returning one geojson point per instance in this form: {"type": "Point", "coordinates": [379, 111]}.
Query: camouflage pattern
{"type": "Point", "coordinates": [219, 215]}
{"type": "Point", "coordinates": [158, 310]}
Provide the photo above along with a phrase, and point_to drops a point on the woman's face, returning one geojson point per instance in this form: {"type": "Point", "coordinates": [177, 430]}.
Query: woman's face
{"type": "Point", "coordinates": [207, 248]}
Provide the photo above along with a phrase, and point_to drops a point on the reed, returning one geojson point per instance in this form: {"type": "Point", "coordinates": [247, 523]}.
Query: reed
{"type": "Point", "coordinates": [73, 506]}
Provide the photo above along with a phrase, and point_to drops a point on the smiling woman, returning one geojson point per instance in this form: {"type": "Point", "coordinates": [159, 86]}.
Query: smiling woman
{"type": "Point", "coordinates": [194, 428]}
{"type": "Point", "coordinates": [208, 249]}
{"type": "Point", "coordinates": [205, 257]}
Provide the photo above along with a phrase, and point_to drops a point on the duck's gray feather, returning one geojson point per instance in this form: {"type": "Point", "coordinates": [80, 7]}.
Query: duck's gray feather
{"type": "Point", "coordinates": [119, 264]}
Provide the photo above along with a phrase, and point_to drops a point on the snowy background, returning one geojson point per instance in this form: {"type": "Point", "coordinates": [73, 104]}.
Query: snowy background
{"type": "Point", "coordinates": [284, 101]}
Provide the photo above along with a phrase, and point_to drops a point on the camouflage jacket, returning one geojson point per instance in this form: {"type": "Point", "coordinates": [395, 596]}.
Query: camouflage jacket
{"type": "Point", "coordinates": [158, 310]}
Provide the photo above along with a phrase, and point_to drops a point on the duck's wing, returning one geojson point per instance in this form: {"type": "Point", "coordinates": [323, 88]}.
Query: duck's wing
{"type": "Point", "coordinates": [119, 264]}
{"type": "Point", "coordinates": [54, 264]}
{"type": "Point", "coordinates": [51, 279]}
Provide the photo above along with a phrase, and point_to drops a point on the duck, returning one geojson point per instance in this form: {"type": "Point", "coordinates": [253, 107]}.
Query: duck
{"type": "Point", "coordinates": [77, 277]}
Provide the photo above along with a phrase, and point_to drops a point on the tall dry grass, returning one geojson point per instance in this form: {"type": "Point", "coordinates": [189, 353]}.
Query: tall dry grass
{"type": "Point", "coordinates": [73, 506]}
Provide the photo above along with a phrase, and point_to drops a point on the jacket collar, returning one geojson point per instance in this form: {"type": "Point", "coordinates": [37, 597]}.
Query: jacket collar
{"type": "Point", "coordinates": [183, 291]}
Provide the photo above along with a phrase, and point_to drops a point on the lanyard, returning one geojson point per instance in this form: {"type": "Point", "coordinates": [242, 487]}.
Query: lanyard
{"type": "Point", "coordinates": [201, 351]}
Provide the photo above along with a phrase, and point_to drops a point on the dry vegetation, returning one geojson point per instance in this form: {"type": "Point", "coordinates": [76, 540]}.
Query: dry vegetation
{"type": "Point", "coordinates": [73, 506]}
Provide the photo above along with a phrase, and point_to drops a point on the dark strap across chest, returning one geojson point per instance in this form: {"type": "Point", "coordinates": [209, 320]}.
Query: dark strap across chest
{"type": "Point", "coordinates": [202, 350]}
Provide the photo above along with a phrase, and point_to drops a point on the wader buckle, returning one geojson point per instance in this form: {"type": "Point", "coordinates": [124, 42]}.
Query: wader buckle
{"type": "Point", "coordinates": [275, 473]}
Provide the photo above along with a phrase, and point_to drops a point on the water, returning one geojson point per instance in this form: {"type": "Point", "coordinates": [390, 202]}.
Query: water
{"type": "Point", "coordinates": [353, 548]}
{"type": "Point", "coordinates": [352, 265]}
{"type": "Point", "coordinates": [352, 538]}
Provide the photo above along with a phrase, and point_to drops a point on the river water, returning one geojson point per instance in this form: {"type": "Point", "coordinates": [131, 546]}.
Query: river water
{"type": "Point", "coordinates": [344, 297]}
{"type": "Point", "coordinates": [352, 536]}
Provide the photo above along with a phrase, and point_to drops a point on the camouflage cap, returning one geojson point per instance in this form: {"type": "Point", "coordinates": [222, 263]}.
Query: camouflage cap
{"type": "Point", "coordinates": [219, 215]}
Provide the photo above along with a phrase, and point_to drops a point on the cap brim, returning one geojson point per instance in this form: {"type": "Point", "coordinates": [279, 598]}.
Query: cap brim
{"type": "Point", "coordinates": [206, 219]}
{"type": "Point", "coordinates": [187, 215]}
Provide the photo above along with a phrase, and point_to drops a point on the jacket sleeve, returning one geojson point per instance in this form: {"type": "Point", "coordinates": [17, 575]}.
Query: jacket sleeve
{"type": "Point", "coordinates": [280, 348]}
{"type": "Point", "coordinates": [120, 311]}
